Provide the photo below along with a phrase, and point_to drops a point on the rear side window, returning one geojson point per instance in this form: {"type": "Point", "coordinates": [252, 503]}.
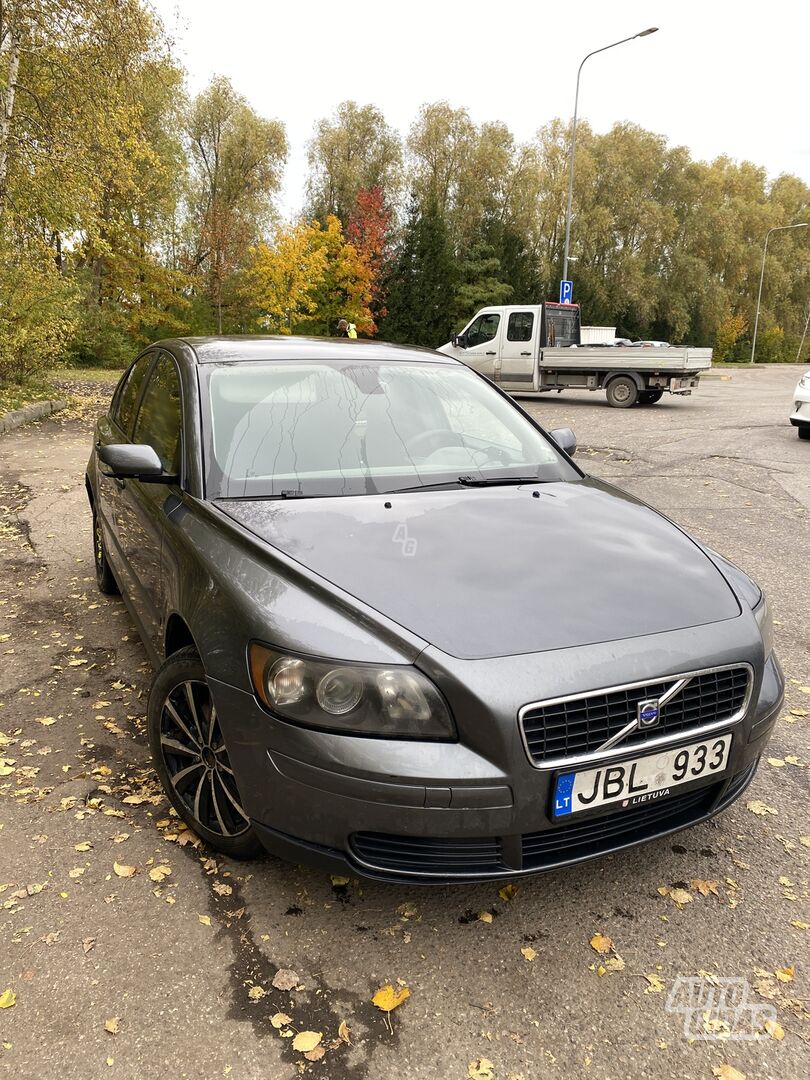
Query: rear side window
{"type": "Point", "coordinates": [159, 417]}
{"type": "Point", "coordinates": [520, 325]}
{"type": "Point", "coordinates": [127, 397]}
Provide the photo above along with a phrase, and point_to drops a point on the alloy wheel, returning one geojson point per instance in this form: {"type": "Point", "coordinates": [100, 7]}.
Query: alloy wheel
{"type": "Point", "coordinates": [196, 759]}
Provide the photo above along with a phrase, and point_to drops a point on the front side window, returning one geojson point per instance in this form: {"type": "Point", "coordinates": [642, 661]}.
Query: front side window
{"type": "Point", "coordinates": [159, 417]}
{"type": "Point", "coordinates": [482, 330]}
{"type": "Point", "coordinates": [288, 428]}
{"type": "Point", "coordinates": [520, 326]}
{"type": "Point", "coordinates": [128, 394]}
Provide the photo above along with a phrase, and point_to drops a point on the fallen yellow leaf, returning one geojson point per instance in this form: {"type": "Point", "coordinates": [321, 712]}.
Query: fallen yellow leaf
{"type": "Point", "coordinates": [656, 984]}
{"type": "Point", "coordinates": [785, 974]}
{"type": "Point", "coordinates": [338, 880]}
{"type": "Point", "coordinates": [388, 999]}
{"type": "Point", "coordinates": [280, 1020]}
{"type": "Point", "coordinates": [158, 873]}
{"type": "Point", "coordinates": [256, 992]}
{"type": "Point", "coordinates": [111, 1025]}
{"type": "Point", "coordinates": [727, 1072]}
{"type": "Point", "coordinates": [601, 944]}
{"type": "Point", "coordinates": [528, 952]}
{"type": "Point", "coordinates": [507, 893]}
{"type": "Point", "coordinates": [124, 871]}
{"type": "Point", "coordinates": [485, 916]}
{"type": "Point", "coordinates": [205, 919]}
{"type": "Point", "coordinates": [305, 1041]}
{"type": "Point", "coordinates": [704, 887]}
{"type": "Point", "coordinates": [7, 999]}
{"type": "Point", "coordinates": [481, 1069]}
{"type": "Point", "coordinates": [775, 1030]}
{"type": "Point", "coordinates": [343, 1033]}
{"type": "Point", "coordinates": [757, 806]}
{"type": "Point", "coordinates": [84, 846]}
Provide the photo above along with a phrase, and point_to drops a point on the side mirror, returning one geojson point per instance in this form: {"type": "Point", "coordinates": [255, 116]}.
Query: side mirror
{"type": "Point", "coordinates": [459, 341]}
{"type": "Point", "coordinates": [134, 462]}
{"type": "Point", "coordinates": [565, 439]}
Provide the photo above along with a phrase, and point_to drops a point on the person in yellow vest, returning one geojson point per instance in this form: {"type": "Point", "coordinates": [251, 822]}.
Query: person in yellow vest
{"type": "Point", "coordinates": [346, 329]}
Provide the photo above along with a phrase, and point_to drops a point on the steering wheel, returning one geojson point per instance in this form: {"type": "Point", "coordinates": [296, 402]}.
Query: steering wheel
{"type": "Point", "coordinates": [439, 436]}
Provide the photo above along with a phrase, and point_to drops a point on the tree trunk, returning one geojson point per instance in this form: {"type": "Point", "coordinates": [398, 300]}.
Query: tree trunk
{"type": "Point", "coordinates": [7, 107]}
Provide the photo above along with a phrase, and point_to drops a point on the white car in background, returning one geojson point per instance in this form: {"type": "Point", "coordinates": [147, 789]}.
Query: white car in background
{"type": "Point", "coordinates": [801, 401]}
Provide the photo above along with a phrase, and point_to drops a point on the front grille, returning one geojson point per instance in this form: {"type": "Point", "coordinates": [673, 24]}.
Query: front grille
{"type": "Point", "coordinates": [579, 726]}
{"type": "Point", "coordinates": [417, 855]}
{"type": "Point", "coordinates": [436, 858]}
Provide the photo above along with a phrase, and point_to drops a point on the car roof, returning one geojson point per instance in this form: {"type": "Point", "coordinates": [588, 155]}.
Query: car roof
{"type": "Point", "coordinates": [248, 347]}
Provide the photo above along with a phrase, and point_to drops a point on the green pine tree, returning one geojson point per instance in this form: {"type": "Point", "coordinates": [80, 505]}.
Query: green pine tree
{"type": "Point", "coordinates": [421, 283]}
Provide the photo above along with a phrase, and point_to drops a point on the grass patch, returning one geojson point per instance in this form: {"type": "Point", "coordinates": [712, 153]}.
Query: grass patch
{"type": "Point", "coordinates": [70, 383]}
{"type": "Point", "coordinates": [82, 375]}
{"type": "Point", "coordinates": [15, 396]}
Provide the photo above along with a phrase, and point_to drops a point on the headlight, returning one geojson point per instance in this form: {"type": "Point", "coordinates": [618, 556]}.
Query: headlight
{"type": "Point", "coordinates": [364, 699]}
{"type": "Point", "coordinates": [804, 381]}
{"type": "Point", "coordinates": [762, 613]}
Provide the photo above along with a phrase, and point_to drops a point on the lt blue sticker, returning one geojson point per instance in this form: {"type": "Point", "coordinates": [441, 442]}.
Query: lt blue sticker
{"type": "Point", "coordinates": [563, 794]}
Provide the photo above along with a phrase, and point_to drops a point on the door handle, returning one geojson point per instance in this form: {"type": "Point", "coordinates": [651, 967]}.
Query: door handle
{"type": "Point", "coordinates": [491, 354]}
{"type": "Point", "coordinates": [525, 354]}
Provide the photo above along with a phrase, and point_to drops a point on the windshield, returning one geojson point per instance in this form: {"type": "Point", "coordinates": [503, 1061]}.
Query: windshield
{"type": "Point", "coordinates": [288, 428]}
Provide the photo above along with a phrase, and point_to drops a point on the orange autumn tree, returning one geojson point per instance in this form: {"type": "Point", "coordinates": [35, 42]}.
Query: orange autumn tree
{"type": "Point", "coordinates": [346, 287]}
{"type": "Point", "coordinates": [280, 279]}
{"type": "Point", "coordinates": [308, 279]}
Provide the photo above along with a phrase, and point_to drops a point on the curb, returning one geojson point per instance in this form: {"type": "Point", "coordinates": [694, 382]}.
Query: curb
{"type": "Point", "coordinates": [12, 420]}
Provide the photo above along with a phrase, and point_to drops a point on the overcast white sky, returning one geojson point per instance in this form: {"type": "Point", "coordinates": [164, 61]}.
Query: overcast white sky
{"type": "Point", "coordinates": [720, 76]}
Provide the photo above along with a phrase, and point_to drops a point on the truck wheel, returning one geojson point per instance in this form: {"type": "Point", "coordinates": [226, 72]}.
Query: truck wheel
{"type": "Point", "coordinates": [622, 392]}
{"type": "Point", "coordinates": [649, 397]}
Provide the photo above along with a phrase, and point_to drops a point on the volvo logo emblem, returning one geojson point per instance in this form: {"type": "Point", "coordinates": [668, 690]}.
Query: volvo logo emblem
{"type": "Point", "coordinates": [649, 713]}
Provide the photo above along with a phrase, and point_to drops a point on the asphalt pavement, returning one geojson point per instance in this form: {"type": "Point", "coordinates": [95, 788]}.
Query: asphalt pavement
{"type": "Point", "coordinates": [129, 952]}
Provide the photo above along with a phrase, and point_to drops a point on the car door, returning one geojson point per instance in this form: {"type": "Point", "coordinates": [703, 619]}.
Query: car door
{"type": "Point", "coordinates": [481, 340]}
{"type": "Point", "coordinates": [116, 427]}
{"type": "Point", "coordinates": [518, 349]}
{"type": "Point", "coordinates": [144, 506]}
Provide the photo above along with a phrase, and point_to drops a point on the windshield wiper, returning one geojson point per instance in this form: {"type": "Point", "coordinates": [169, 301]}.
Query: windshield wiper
{"type": "Point", "coordinates": [470, 481]}
{"type": "Point", "coordinates": [486, 481]}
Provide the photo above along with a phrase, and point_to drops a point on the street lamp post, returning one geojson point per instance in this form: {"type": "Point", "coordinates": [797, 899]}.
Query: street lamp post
{"type": "Point", "coordinates": [643, 33]}
{"type": "Point", "coordinates": [776, 228]}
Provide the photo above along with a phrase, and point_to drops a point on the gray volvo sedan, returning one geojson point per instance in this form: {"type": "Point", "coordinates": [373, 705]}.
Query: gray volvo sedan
{"type": "Point", "coordinates": [397, 631]}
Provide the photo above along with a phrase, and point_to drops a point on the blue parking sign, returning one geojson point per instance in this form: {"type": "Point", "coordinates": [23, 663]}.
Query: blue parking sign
{"type": "Point", "coordinates": [566, 292]}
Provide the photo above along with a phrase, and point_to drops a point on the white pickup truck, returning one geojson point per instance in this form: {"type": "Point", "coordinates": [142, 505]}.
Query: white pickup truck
{"type": "Point", "coordinates": [531, 349]}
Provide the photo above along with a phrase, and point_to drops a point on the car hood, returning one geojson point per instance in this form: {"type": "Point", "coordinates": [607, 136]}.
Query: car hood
{"type": "Point", "coordinates": [499, 571]}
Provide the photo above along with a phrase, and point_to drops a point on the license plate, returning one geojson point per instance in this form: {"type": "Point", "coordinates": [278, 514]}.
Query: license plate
{"type": "Point", "coordinates": [639, 780]}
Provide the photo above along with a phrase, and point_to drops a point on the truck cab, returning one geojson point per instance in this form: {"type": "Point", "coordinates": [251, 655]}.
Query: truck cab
{"type": "Point", "coordinates": [501, 342]}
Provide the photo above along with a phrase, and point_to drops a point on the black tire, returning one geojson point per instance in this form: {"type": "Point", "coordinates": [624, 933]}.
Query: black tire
{"type": "Point", "coordinates": [804, 432]}
{"type": "Point", "coordinates": [622, 392]}
{"type": "Point", "coordinates": [650, 397]}
{"type": "Point", "coordinates": [191, 758]}
{"type": "Point", "coordinates": [105, 579]}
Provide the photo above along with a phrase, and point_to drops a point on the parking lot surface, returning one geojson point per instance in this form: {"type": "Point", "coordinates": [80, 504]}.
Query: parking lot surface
{"type": "Point", "coordinates": [129, 952]}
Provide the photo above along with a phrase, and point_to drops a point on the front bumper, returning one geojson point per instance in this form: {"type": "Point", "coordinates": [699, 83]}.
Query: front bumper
{"type": "Point", "coordinates": [800, 417]}
{"type": "Point", "coordinates": [452, 812]}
